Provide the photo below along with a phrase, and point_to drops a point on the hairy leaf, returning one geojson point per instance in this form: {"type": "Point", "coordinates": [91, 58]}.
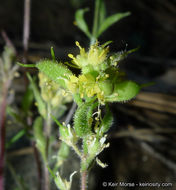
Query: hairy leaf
{"type": "Point", "coordinates": [55, 71]}
{"type": "Point", "coordinates": [124, 91]}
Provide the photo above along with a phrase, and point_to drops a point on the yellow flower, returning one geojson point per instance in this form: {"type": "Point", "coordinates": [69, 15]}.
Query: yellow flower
{"type": "Point", "coordinates": [72, 84]}
{"type": "Point", "coordinates": [94, 57]}
{"type": "Point", "coordinates": [86, 85]}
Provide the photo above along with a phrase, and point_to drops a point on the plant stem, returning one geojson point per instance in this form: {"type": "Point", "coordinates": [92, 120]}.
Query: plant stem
{"type": "Point", "coordinates": [83, 180]}
{"type": "Point", "coordinates": [95, 21]}
{"type": "Point", "coordinates": [47, 133]}
{"type": "Point", "coordinates": [2, 133]}
{"type": "Point", "coordinates": [26, 27]}
{"type": "Point", "coordinates": [38, 163]}
{"type": "Point", "coordinates": [46, 178]}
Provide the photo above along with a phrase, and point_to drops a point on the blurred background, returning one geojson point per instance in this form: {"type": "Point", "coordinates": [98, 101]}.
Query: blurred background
{"type": "Point", "coordinates": [143, 135]}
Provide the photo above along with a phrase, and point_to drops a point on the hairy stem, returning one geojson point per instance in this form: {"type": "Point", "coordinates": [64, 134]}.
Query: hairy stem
{"type": "Point", "coordinates": [38, 163]}
{"type": "Point", "coordinates": [47, 133]}
{"type": "Point", "coordinates": [2, 134]}
{"type": "Point", "coordinates": [46, 178]}
{"type": "Point", "coordinates": [83, 180]}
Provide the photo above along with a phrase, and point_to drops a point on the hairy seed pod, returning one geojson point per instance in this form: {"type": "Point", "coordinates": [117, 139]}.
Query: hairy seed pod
{"type": "Point", "coordinates": [106, 86]}
{"type": "Point", "coordinates": [55, 71]}
{"type": "Point", "coordinates": [124, 91]}
{"type": "Point", "coordinates": [106, 122]}
{"type": "Point", "coordinates": [83, 119]}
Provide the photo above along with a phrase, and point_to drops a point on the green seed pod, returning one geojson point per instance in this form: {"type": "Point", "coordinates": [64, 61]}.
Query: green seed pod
{"type": "Point", "coordinates": [91, 145]}
{"type": "Point", "coordinates": [123, 91]}
{"type": "Point", "coordinates": [55, 71]}
{"type": "Point", "coordinates": [106, 86]}
{"type": "Point", "coordinates": [106, 122]}
{"type": "Point", "coordinates": [80, 121]}
{"type": "Point", "coordinates": [83, 119]}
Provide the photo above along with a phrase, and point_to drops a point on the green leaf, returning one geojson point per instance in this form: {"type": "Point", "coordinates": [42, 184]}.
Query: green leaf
{"type": "Point", "coordinates": [102, 13]}
{"type": "Point", "coordinates": [16, 138]}
{"type": "Point", "coordinates": [77, 99]}
{"type": "Point", "coordinates": [53, 54]}
{"type": "Point", "coordinates": [80, 21]}
{"type": "Point", "coordinates": [55, 71]}
{"type": "Point", "coordinates": [124, 91]}
{"type": "Point", "coordinates": [61, 184]}
{"type": "Point", "coordinates": [15, 115]}
{"type": "Point", "coordinates": [27, 99]}
{"type": "Point", "coordinates": [121, 55]}
{"type": "Point", "coordinates": [110, 21]}
{"type": "Point", "coordinates": [64, 131]}
{"type": "Point", "coordinates": [63, 151]}
{"type": "Point", "coordinates": [39, 136]}
{"type": "Point", "coordinates": [26, 65]}
{"type": "Point", "coordinates": [62, 155]}
{"type": "Point", "coordinates": [106, 122]}
{"type": "Point", "coordinates": [40, 103]}
{"type": "Point", "coordinates": [147, 84]}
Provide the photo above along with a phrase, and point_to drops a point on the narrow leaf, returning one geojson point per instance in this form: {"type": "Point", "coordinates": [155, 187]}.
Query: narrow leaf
{"type": "Point", "coordinates": [15, 138]}
{"type": "Point", "coordinates": [26, 65]}
{"type": "Point", "coordinates": [40, 103]}
{"type": "Point", "coordinates": [80, 21]}
{"type": "Point", "coordinates": [63, 130]}
{"type": "Point", "coordinates": [53, 54]}
{"type": "Point", "coordinates": [39, 136]}
{"type": "Point", "coordinates": [56, 121]}
{"type": "Point", "coordinates": [27, 99]}
{"type": "Point", "coordinates": [15, 115]}
{"type": "Point", "coordinates": [147, 84]}
{"type": "Point", "coordinates": [110, 21]}
{"type": "Point", "coordinates": [102, 13]}
{"type": "Point", "coordinates": [62, 155]}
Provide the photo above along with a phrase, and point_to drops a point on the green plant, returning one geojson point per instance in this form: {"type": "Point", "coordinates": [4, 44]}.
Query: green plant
{"type": "Point", "coordinates": [100, 22]}
{"type": "Point", "coordinates": [100, 82]}
{"type": "Point", "coordinates": [49, 101]}
{"type": "Point", "coordinates": [8, 72]}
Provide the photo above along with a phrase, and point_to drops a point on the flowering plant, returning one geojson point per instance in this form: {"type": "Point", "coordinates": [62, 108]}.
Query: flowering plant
{"type": "Point", "coordinates": [100, 82]}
